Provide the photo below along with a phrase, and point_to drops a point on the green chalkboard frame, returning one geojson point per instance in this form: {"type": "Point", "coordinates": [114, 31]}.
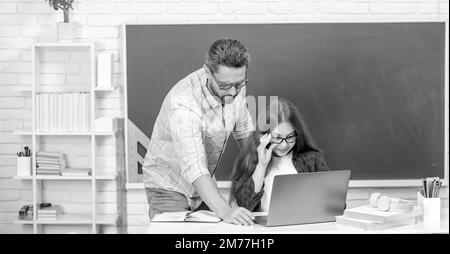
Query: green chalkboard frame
{"type": "Point", "coordinates": [136, 183]}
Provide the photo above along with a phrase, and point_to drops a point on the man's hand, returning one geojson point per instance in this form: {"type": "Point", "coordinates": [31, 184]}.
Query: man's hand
{"type": "Point", "coordinates": [239, 216]}
{"type": "Point", "coordinates": [209, 193]}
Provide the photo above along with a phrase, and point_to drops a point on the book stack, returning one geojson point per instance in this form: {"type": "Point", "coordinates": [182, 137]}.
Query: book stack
{"type": "Point", "coordinates": [47, 213]}
{"type": "Point", "coordinates": [76, 172]}
{"type": "Point", "coordinates": [62, 112]}
{"type": "Point", "coordinates": [49, 163]}
{"type": "Point", "coordinates": [370, 218]}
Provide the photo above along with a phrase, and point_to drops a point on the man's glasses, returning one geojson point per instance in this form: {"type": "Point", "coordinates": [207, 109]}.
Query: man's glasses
{"type": "Point", "coordinates": [227, 86]}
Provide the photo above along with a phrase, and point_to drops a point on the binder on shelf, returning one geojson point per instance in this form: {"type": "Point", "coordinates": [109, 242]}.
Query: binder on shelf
{"type": "Point", "coordinates": [39, 117]}
{"type": "Point", "coordinates": [87, 110]}
{"type": "Point", "coordinates": [37, 112]}
{"type": "Point", "coordinates": [60, 112]}
{"type": "Point", "coordinates": [45, 126]}
{"type": "Point", "coordinates": [70, 112]}
{"type": "Point", "coordinates": [52, 107]}
{"type": "Point", "coordinates": [104, 70]}
{"type": "Point", "coordinates": [55, 111]}
{"type": "Point", "coordinates": [75, 111]}
{"type": "Point", "coordinates": [81, 113]}
{"type": "Point", "coordinates": [65, 112]}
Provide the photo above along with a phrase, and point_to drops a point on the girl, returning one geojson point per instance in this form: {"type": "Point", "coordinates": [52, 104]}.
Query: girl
{"type": "Point", "coordinates": [284, 148]}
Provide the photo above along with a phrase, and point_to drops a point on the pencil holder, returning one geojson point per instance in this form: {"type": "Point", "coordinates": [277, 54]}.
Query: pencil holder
{"type": "Point", "coordinates": [431, 211]}
{"type": "Point", "coordinates": [24, 166]}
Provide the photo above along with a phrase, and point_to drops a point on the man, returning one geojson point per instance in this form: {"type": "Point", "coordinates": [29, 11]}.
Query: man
{"type": "Point", "coordinates": [190, 133]}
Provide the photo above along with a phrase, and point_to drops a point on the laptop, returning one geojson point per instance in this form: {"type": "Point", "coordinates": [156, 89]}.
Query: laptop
{"type": "Point", "coordinates": [306, 198]}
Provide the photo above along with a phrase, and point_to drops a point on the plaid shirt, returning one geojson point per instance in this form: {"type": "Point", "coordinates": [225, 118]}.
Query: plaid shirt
{"type": "Point", "coordinates": [190, 134]}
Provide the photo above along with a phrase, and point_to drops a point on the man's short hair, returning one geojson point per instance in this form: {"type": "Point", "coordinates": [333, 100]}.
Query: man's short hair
{"type": "Point", "coordinates": [227, 52]}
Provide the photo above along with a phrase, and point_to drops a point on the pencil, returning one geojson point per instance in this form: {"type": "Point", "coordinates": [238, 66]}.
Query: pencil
{"type": "Point", "coordinates": [434, 188]}
{"type": "Point", "coordinates": [438, 188]}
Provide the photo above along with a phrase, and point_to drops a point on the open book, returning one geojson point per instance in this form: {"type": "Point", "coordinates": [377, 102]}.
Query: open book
{"type": "Point", "coordinates": [187, 216]}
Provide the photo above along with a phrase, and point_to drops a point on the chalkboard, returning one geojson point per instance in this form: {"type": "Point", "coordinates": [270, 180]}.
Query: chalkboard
{"type": "Point", "coordinates": [372, 94]}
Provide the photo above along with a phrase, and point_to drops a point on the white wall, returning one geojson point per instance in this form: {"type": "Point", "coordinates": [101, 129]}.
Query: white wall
{"type": "Point", "coordinates": [24, 22]}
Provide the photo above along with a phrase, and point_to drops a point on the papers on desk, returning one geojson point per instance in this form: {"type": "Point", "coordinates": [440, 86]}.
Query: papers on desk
{"type": "Point", "coordinates": [367, 217]}
{"type": "Point", "coordinates": [187, 216]}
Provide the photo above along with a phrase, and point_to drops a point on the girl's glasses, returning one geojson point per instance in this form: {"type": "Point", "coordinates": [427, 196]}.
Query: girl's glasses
{"type": "Point", "coordinates": [279, 140]}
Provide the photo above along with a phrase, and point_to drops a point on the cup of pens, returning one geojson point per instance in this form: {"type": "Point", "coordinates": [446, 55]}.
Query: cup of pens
{"type": "Point", "coordinates": [24, 162]}
{"type": "Point", "coordinates": [428, 198]}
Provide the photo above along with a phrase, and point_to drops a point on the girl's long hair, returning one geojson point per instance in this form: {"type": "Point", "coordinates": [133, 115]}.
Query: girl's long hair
{"type": "Point", "coordinates": [277, 111]}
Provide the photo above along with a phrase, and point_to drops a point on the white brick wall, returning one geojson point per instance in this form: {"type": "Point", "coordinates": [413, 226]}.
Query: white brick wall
{"type": "Point", "coordinates": [23, 22]}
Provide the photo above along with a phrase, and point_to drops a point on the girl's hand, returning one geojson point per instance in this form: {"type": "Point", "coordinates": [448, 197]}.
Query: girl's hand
{"type": "Point", "coordinates": [264, 154]}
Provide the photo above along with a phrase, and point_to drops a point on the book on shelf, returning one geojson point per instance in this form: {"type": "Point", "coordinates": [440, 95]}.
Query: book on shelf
{"type": "Point", "coordinates": [52, 167]}
{"type": "Point", "coordinates": [372, 225]}
{"type": "Point", "coordinates": [49, 155]}
{"type": "Point", "coordinates": [48, 171]}
{"type": "Point", "coordinates": [47, 216]}
{"type": "Point", "coordinates": [50, 164]}
{"type": "Point", "coordinates": [41, 169]}
{"type": "Point", "coordinates": [53, 173]}
{"type": "Point", "coordinates": [187, 216]}
{"type": "Point", "coordinates": [76, 172]}
{"type": "Point", "coordinates": [49, 213]}
{"type": "Point", "coordinates": [49, 161]}
{"type": "Point", "coordinates": [369, 213]}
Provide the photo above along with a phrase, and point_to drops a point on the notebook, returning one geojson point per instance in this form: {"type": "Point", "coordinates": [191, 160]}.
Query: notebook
{"type": "Point", "coordinates": [187, 216]}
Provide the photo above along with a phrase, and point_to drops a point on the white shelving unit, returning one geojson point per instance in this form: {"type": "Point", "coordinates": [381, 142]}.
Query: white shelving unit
{"type": "Point", "coordinates": [93, 219]}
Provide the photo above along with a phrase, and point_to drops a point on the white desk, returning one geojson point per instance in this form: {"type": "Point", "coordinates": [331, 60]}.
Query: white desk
{"type": "Point", "coordinates": [317, 228]}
